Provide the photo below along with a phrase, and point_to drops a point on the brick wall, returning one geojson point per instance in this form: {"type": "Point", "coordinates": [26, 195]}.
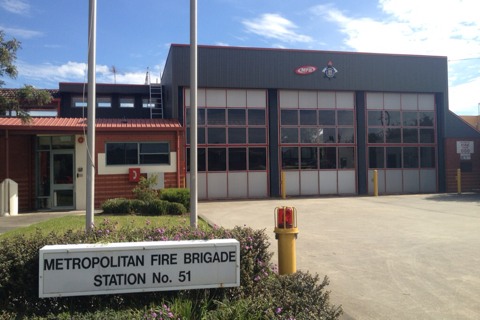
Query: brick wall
{"type": "Point", "coordinates": [21, 167]}
{"type": "Point", "coordinates": [117, 185]}
{"type": "Point", "coordinates": [470, 180]}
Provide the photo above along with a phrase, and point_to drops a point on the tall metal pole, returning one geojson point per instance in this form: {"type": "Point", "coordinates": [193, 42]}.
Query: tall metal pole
{"type": "Point", "coordinates": [92, 44]}
{"type": "Point", "coordinates": [193, 113]}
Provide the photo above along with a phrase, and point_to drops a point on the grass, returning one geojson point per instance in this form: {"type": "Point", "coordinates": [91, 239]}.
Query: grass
{"type": "Point", "coordinates": [78, 223]}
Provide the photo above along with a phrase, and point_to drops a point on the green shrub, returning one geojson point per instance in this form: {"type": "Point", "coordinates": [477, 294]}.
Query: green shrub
{"type": "Point", "coordinates": [299, 296]}
{"type": "Point", "coordinates": [144, 190]}
{"type": "Point", "coordinates": [178, 195]}
{"type": "Point", "coordinates": [175, 209]}
{"type": "Point", "coordinates": [117, 205]}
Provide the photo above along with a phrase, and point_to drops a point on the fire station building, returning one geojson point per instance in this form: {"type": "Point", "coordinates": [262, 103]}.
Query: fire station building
{"type": "Point", "coordinates": [326, 120]}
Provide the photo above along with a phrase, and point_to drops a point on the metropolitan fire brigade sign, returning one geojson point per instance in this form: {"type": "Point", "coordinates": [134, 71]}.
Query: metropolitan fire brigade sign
{"type": "Point", "coordinates": [86, 269]}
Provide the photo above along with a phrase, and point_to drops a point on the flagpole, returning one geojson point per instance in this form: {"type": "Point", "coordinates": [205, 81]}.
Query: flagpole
{"type": "Point", "coordinates": [193, 114]}
{"type": "Point", "coordinates": [92, 43]}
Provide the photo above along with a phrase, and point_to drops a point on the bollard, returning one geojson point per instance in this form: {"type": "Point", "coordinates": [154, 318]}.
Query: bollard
{"type": "Point", "coordinates": [286, 232]}
{"type": "Point", "coordinates": [459, 181]}
{"type": "Point", "coordinates": [375, 183]}
{"type": "Point", "coordinates": [284, 193]}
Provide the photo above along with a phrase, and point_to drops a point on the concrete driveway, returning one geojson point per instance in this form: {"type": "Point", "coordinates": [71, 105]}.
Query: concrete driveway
{"type": "Point", "coordinates": [388, 257]}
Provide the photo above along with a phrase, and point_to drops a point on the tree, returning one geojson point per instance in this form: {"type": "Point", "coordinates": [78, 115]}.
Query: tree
{"type": "Point", "coordinates": [8, 56]}
{"type": "Point", "coordinates": [15, 103]}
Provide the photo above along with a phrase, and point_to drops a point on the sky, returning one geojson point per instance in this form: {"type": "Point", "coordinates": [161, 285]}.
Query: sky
{"type": "Point", "coordinates": [133, 35]}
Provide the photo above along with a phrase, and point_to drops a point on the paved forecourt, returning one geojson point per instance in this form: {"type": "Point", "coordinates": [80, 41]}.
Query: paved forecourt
{"type": "Point", "coordinates": [387, 257]}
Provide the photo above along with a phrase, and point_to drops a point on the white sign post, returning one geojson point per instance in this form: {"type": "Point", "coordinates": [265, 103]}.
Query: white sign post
{"type": "Point", "coordinates": [86, 269]}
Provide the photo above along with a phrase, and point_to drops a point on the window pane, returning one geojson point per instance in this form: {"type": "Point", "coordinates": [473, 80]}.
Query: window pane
{"type": "Point", "coordinates": [44, 143]}
{"type": "Point", "coordinates": [410, 135]}
{"type": "Point", "coordinates": [289, 158]}
{"type": "Point", "coordinates": [257, 158]}
{"type": "Point", "coordinates": [346, 157]}
{"type": "Point", "coordinates": [308, 135]}
{"type": "Point", "coordinates": [427, 119]}
{"type": "Point", "coordinates": [308, 117]}
{"type": "Point", "coordinates": [63, 142]}
{"type": "Point", "coordinates": [427, 157]}
{"type": "Point", "coordinates": [375, 118]}
{"type": "Point", "coordinates": [236, 135]}
{"type": "Point", "coordinates": [394, 157]}
{"type": "Point", "coordinates": [104, 102]}
{"type": "Point", "coordinates": [393, 136]}
{"type": "Point", "coordinates": [147, 104]}
{"type": "Point", "coordinates": [237, 159]}
{"type": "Point", "coordinates": [375, 135]}
{"type": "Point", "coordinates": [376, 158]}
{"type": "Point", "coordinates": [346, 135]}
{"type": "Point", "coordinates": [202, 163]}
{"type": "Point", "coordinates": [257, 135]}
{"type": "Point", "coordinates": [127, 102]}
{"type": "Point", "coordinates": [154, 159]}
{"type": "Point", "coordinates": [236, 117]}
{"type": "Point", "coordinates": [326, 135]}
{"type": "Point", "coordinates": [256, 117]}
{"type": "Point", "coordinates": [328, 158]}
{"type": "Point", "coordinates": [289, 117]}
{"type": "Point", "coordinates": [79, 102]}
{"type": "Point", "coordinates": [289, 135]}
{"type": "Point", "coordinates": [200, 135]}
{"type": "Point", "coordinates": [216, 117]}
{"type": "Point", "coordinates": [410, 118]}
{"type": "Point", "coordinates": [200, 159]}
{"type": "Point", "coordinates": [216, 135]}
{"type": "Point", "coordinates": [410, 157]}
{"type": "Point", "coordinates": [345, 117]}
{"type": "Point", "coordinates": [122, 153]}
{"type": "Point", "coordinates": [201, 116]}
{"type": "Point", "coordinates": [326, 117]}
{"type": "Point", "coordinates": [217, 159]}
{"type": "Point", "coordinates": [427, 135]}
{"type": "Point", "coordinates": [308, 158]}
{"type": "Point", "coordinates": [392, 119]}
{"type": "Point", "coordinates": [154, 148]}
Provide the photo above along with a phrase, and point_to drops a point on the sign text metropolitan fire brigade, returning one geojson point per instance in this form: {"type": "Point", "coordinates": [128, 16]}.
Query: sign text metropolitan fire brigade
{"type": "Point", "coordinates": [68, 270]}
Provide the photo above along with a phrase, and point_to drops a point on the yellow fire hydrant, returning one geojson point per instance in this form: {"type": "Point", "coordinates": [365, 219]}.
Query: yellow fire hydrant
{"type": "Point", "coordinates": [286, 232]}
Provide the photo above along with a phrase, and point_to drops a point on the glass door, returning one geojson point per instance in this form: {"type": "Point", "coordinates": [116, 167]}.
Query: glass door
{"type": "Point", "coordinates": [63, 179]}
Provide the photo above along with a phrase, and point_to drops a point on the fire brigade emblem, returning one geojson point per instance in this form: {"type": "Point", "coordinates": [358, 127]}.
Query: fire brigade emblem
{"type": "Point", "coordinates": [329, 71]}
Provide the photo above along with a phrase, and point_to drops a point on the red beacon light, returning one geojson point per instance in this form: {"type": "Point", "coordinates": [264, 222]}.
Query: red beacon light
{"type": "Point", "coordinates": [285, 218]}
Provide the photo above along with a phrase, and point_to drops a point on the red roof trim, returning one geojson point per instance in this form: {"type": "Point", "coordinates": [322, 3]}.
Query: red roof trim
{"type": "Point", "coordinates": [77, 124]}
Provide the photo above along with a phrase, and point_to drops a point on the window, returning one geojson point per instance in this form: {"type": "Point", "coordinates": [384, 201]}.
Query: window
{"type": "Point", "coordinates": [127, 102]}
{"type": "Point", "coordinates": [147, 104]}
{"type": "Point", "coordinates": [79, 102]}
{"type": "Point", "coordinates": [135, 153]}
{"type": "Point", "coordinates": [104, 102]}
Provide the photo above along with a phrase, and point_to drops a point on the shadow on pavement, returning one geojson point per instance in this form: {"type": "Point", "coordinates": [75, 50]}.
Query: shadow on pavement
{"type": "Point", "coordinates": [464, 197]}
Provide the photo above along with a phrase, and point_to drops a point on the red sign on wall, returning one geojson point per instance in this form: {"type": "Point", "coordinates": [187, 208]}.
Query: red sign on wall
{"type": "Point", "coordinates": [133, 174]}
{"type": "Point", "coordinates": [306, 70]}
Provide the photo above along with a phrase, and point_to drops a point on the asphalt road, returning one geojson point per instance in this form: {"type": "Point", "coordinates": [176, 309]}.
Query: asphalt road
{"type": "Point", "coordinates": [387, 257]}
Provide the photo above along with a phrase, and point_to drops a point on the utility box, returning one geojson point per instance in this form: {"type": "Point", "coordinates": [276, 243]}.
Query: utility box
{"type": "Point", "coordinates": [8, 198]}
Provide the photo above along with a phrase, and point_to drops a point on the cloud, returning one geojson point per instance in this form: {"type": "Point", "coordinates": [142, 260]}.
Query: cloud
{"type": "Point", "coordinates": [21, 33]}
{"type": "Point", "coordinates": [412, 27]}
{"type": "Point", "coordinates": [276, 27]}
{"type": "Point", "coordinates": [464, 98]}
{"type": "Point", "coordinates": [221, 44]}
{"type": "Point", "coordinates": [15, 6]}
{"type": "Point", "coordinates": [74, 72]}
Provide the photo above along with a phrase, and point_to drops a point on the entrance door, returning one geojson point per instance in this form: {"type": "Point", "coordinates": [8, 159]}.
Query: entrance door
{"type": "Point", "coordinates": [63, 179]}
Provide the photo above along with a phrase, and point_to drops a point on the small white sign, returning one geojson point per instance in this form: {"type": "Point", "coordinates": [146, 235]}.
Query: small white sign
{"type": "Point", "coordinates": [465, 147]}
{"type": "Point", "coordinates": [87, 269]}
{"type": "Point", "coordinates": [466, 156]}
